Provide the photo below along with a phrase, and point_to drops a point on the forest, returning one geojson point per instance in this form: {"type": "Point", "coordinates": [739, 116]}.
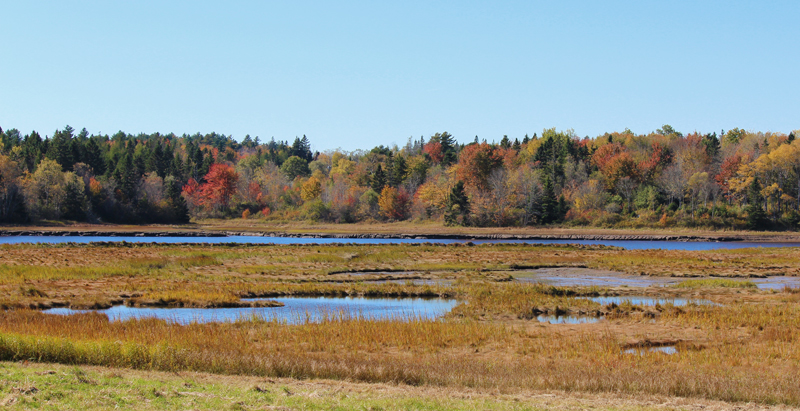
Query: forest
{"type": "Point", "coordinates": [733, 179]}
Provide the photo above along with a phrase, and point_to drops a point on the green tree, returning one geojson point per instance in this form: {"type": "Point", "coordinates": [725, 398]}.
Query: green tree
{"type": "Point", "coordinates": [75, 203]}
{"type": "Point", "coordinates": [756, 216]}
{"type": "Point", "coordinates": [399, 171]}
{"type": "Point", "coordinates": [177, 204]}
{"type": "Point", "coordinates": [457, 207]}
{"type": "Point", "coordinates": [378, 180]}
{"type": "Point", "coordinates": [295, 166]}
{"type": "Point", "coordinates": [550, 212]}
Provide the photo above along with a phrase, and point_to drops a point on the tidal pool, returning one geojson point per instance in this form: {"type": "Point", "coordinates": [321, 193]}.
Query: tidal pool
{"type": "Point", "coordinates": [777, 282]}
{"type": "Point", "coordinates": [568, 319]}
{"type": "Point", "coordinates": [296, 310]}
{"type": "Point", "coordinates": [666, 349]}
{"type": "Point", "coordinates": [641, 300]}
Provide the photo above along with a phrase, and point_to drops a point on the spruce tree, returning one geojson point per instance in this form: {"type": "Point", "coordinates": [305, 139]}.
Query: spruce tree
{"type": "Point", "coordinates": [457, 207]}
{"type": "Point", "coordinates": [378, 180]}
{"type": "Point", "coordinates": [399, 170]}
{"type": "Point", "coordinates": [756, 216]}
{"type": "Point", "coordinates": [549, 203]}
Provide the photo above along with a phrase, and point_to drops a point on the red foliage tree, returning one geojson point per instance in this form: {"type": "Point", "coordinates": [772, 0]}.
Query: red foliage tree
{"type": "Point", "coordinates": [660, 157]}
{"type": "Point", "coordinates": [728, 170]}
{"type": "Point", "coordinates": [220, 186]}
{"type": "Point", "coordinates": [192, 193]}
{"type": "Point", "coordinates": [434, 150]}
{"type": "Point", "coordinates": [476, 162]}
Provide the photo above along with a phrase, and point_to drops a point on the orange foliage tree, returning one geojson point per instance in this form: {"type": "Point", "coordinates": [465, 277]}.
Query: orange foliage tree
{"type": "Point", "coordinates": [476, 162]}
{"type": "Point", "coordinates": [219, 187]}
{"type": "Point", "coordinates": [393, 203]}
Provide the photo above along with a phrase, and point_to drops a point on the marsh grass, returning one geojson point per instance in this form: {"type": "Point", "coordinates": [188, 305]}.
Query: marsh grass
{"type": "Point", "coordinates": [742, 351]}
{"type": "Point", "coordinates": [715, 282]}
{"type": "Point", "coordinates": [466, 353]}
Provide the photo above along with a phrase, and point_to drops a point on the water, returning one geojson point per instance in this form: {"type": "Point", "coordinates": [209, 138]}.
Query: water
{"type": "Point", "coordinates": [587, 277]}
{"type": "Point", "coordinates": [777, 282]}
{"type": "Point", "coordinates": [296, 310]}
{"type": "Point", "coordinates": [666, 349]}
{"type": "Point", "coordinates": [640, 300]}
{"type": "Point", "coordinates": [626, 244]}
{"type": "Point", "coordinates": [567, 319]}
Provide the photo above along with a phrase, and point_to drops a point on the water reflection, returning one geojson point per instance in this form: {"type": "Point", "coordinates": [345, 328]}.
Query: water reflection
{"type": "Point", "coordinates": [296, 310]}
{"type": "Point", "coordinates": [567, 319]}
{"type": "Point", "coordinates": [667, 349]}
{"type": "Point", "coordinates": [650, 301]}
{"type": "Point", "coordinates": [626, 244]}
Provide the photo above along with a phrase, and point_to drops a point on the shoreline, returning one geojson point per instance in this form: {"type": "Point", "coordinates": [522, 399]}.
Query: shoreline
{"type": "Point", "coordinates": [161, 232]}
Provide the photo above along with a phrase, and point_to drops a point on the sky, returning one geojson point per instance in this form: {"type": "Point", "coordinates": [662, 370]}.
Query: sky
{"type": "Point", "coordinates": [357, 74]}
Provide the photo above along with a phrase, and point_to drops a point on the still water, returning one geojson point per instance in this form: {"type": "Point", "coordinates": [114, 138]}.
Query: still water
{"type": "Point", "coordinates": [626, 244]}
{"type": "Point", "coordinates": [647, 301]}
{"type": "Point", "coordinates": [296, 310]}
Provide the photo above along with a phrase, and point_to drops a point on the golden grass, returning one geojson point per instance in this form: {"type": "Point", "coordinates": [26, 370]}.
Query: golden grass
{"type": "Point", "coordinates": [745, 350]}
{"type": "Point", "coordinates": [748, 355]}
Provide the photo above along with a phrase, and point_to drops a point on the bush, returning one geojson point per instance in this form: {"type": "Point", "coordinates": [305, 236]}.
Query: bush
{"type": "Point", "coordinates": [315, 210]}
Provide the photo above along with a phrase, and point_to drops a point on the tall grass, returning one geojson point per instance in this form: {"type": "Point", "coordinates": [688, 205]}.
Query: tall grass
{"type": "Point", "coordinates": [430, 352]}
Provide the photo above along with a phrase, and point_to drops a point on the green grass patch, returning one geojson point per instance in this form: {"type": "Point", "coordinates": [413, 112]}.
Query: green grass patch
{"type": "Point", "coordinates": [715, 282]}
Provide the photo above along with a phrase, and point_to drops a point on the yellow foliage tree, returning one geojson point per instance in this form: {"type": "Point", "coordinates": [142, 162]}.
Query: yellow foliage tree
{"type": "Point", "coordinates": [311, 189]}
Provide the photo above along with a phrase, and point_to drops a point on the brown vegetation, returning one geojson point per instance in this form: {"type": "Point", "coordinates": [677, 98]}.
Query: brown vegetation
{"type": "Point", "coordinates": [742, 350]}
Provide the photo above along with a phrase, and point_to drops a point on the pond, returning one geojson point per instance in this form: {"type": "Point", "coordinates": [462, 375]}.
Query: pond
{"type": "Point", "coordinates": [626, 244]}
{"type": "Point", "coordinates": [567, 319]}
{"type": "Point", "coordinates": [666, 349]}
{"type": "Point", "coordinates": [649, 301]}
{"type": "Point", "coordinates": [777, 282]}
{"type": "Point", "coordinates": [296, 310]}
{"type": "Point", "coordinates": [588, 277]}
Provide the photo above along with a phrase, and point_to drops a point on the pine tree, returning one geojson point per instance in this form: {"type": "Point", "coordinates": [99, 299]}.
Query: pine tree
{"type": "Point", "coordinates": [378, 180]}
{"type": "Point", "coordinates": [399, 170]}
{"type": "Point", "coordinates": [94, 157]}
{"type": "Point", "coordinates": [549, 204]}
{"type": "Point", "coordinates": [457, 207]}
{"type": "Point", "coordinates": [756, 217]}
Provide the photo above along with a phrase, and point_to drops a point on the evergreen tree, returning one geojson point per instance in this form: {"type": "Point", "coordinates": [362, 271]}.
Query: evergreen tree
{"type": "Point", "coordinates": [549, 213]}
{"type": "Point", "coordinates": [94, 157]}
{"type": "Point", "coordinates": [60, 148]}
{"type": "Point", "coordinates": [378, 180]}
{"type": "Point", "coordinates": [457, 207]}
{"type": "Point", "coordinates": [756, 217]}
{"type": "Point", "coordinates": [712, 144]}
{"type": "Point", "coordinates": [398, 171]}
{"type": "Point", "coordinates": [177, 204]}
{"type": "Point", "coordinates": [32, 150]}
{"type": "Point", "coordinates": [125, 174]}
{"type": "Point", "coordinates": [75, 204]}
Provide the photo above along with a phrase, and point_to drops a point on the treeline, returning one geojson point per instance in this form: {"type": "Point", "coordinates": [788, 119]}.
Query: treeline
{"type": "Point", "coordinates": [734, 179]}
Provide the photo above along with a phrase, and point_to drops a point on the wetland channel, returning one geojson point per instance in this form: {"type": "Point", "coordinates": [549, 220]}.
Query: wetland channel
{"type": "Point", "coordinates": [241, 239]}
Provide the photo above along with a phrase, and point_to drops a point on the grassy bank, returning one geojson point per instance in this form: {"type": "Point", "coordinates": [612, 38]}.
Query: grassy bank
{"type": "Point", "coordinates": [58, 387]}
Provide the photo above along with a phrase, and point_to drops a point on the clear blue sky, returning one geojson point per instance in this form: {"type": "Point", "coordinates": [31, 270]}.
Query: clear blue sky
{"type": "Point", "coordinates": [358, 74]}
